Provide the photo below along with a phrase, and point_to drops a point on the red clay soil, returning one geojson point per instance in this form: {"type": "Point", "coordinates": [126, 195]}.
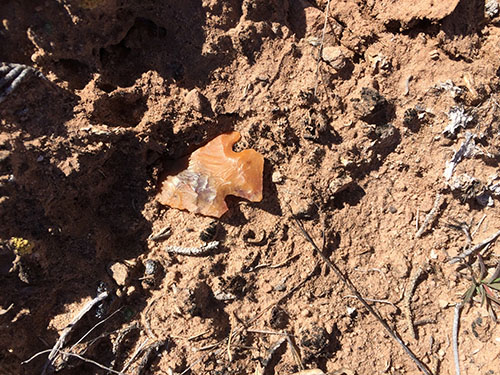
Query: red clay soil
{"type": "Point", "coordinates": [353, 145]}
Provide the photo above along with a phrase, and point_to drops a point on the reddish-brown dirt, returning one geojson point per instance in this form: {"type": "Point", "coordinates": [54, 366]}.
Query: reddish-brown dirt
{"type": "Point", "coordinates": [355, 150]}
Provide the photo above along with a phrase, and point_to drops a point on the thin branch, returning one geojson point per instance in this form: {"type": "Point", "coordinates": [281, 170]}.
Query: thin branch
{"type": "Point", "coordinates": [430, 216]}
{"type": "Point", "coordinates": [347, 282]}
{"type": "Point", "coordinates": [409, 296]}
{"type": "Point", "coordinates": [64, 335]}
{"type": "Point", "coordinates": [35, 355]}
{"type": "Point", "coordinates": [456, 321]}
{"type": "Point", "coordinates": [94, 327]}
{"type": "Point", "coordinates": [135, 355]}
{"type": "Point", "coordinates": [201, 250]}
{"type": "Point", "coordinates": [92, 362]}
{"type": "Point", "coordinates": [387, 302]}
{"type": "Point", "coordinates": [478, 225]}
{"type": "Point", "coordinates": [474, 249]}
{"type": "Point", "coordinates": [320, 51]}
{"type": "Point", "coordinates": [148, 356]}
{"type": "Point", "coordinates": [266, 332]}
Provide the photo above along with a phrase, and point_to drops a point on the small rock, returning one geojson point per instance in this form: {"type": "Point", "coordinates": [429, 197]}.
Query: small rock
{"type": "Point", "coordinates": [150, 267]}
{"type": "Point", "coordinates": [333, 55]}
{"type": "Point", "coordinates": [433, 254]}
{"type": "Point", "coordinates": [280, 287]}
{"type": "Point", "coordinates": [153, 271]}
{"type": "Point", "coordinates": [221, 296]}
{"type": "Point", "coordinates": [443, 303]}
{"type": "Point", "coordinates": [306, 313]}
{"type": "Point", "coordinates": [351, 311]}
{"type": "Point", "coordinates": [119, 273]}
{"type": "Point", "coordinates": [491, 8]}
{"type": "Point", "coordinates": [277, 177]}
{"type": "Point", "coordinates": [412, 119]}
{"type": "Point", "coordinates": [197, 101]}
{"type": "Point", "coordinates": [339, 184]}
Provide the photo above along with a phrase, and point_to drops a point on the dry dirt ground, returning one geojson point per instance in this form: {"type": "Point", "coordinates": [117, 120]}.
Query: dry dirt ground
{"type": "Point", "coordinates": [356, 150]}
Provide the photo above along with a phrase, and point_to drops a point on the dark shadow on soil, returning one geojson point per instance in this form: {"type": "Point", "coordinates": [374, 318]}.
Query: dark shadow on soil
{"type": "Point", "coordinates": [350, 196]}
{"type": "Point", "coordinates": [133, 38]}
{"type": "Point", "coordinates": [79, 223]}
{"type": "Point", "coordinates": [38, 107]}
{"type": "Point", "coordinates": [466, 19]}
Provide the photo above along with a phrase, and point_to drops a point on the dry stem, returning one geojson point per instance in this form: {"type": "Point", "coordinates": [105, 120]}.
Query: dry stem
{"type": "Point", "coordinates": [354, 290]}
{"type": "Point", "coordinates": [64, 335]}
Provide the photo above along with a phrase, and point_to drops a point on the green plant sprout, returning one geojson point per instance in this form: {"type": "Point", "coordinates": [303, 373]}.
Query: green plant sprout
{"type": "Point", "coordinates": [486, 287]}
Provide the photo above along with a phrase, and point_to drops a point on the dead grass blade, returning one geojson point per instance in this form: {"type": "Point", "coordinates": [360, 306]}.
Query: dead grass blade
{"type": "Point", "coordinates": [347, 282]}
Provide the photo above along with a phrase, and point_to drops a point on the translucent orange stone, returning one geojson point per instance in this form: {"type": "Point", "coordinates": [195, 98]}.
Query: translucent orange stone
{"type": "Point", "coordinates": [213, 172]}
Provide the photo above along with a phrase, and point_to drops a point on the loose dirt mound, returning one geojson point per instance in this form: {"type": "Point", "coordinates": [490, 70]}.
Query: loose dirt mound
{"type": "Point", "coordinates": [355, 150]}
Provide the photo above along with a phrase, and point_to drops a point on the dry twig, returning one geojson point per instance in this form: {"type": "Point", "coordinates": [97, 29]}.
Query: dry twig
{"type": "Point", "coordinates": [148, 355]}
{"type": "Point", "coordinates": [137, 352]}
{"type": "Point", "coordinates": [347, 282]}
{"type": "Point", "coordinates": [320, 51]}
{"type": "Point", "coordinates": [295, 352]}
{"type": "Point", "coordinates": [94, 327]}
{"type": "Point", "coordinates": [122, 334]}
{"type": "Point", "coordinates": [474, 249]}
{"type": "Point", "coordinates": [201, 250]}
{"type": "Point", "coordinates": [456, 321]}
{"type": "Point", "coordinates": [430, 216]}
{"type": "Point", "coordinates": [64, 335]}
{"type": "Point", "coordinates": [409, 296]}
{"type": "Point", "coordinates": [92, 362]}
{"type": "Point", "coordinates": [161, 235]}
{"type": "Point", "coordinates": [387, 302]}
{"type": "Point", "coordinates": [478, 225]}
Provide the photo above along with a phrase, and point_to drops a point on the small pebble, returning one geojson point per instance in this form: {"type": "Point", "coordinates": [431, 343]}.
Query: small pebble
{"type": "Point", "coordinates": [151, 266]}
{"type": "Point", "coordinates": [280, 287]}
{"type": "Point", "coordinates": [277, 177]}
{"type": "Point", "coordinates": [306, 313]}
{"type": "Point", "coordinates": [196, 101]}
{"type": "Point", "coordinates": [351, 311]}
{"type": "Point", "coordinates": [119, 273]}
{"type": "Point", "coordinates": [334, 56]}
{"type": "Point", "coordinates": [433, 254]}
{"type": "Point", "coordinates": [443, 303]}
